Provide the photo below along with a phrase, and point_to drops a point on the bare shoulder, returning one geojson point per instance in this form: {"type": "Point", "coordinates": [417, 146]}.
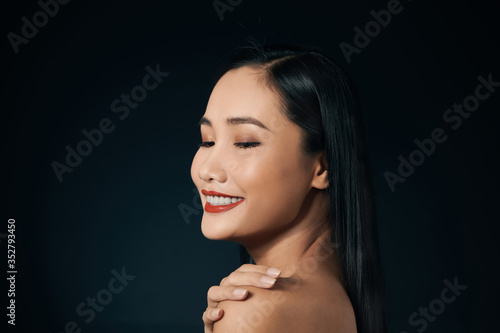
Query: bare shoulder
{"type": "Point", "coordinates": [259, 312]}
{"type": "Point", "coordinates": [292, 305]}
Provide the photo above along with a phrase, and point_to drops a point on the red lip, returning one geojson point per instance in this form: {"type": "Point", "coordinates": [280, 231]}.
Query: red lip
{"type": "Point", "coordinates": [217, 193]}
{"type": "Point", "coordinates": [220, 208]}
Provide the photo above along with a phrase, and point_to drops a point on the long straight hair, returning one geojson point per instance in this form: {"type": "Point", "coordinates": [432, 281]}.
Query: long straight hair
{"type": "Point", "coordinates": [319, 96]}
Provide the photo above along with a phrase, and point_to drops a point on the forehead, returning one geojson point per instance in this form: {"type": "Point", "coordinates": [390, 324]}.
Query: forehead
{"type": "Point", "coordinates": [243, 92]}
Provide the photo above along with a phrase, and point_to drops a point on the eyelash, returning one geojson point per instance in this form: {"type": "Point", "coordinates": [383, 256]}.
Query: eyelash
{"type": "Point", "coordinates": [242, 145]}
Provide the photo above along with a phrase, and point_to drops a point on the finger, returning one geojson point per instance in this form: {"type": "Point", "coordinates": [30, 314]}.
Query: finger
{"type": "Point", "coordinates": [207, 323]}
{"type": "Point", "coordinates": [210, 316]}
{"type": "Point", "coordinates": [217, 294]}
{"type": "Point", "coordinates": [268, 270]}
{"type": "Point", "coordinates": [237, 278]}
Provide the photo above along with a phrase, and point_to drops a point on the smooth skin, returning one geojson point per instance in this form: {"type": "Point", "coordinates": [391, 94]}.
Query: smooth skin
{"type": "Point", "coordinates": [283, 220]}
{"type": "Point", "coordinates": [312, 299]}
{"type": "Point", "coordinates": [246, 275]}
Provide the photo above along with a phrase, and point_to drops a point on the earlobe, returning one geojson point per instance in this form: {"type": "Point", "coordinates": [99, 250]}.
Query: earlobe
{"type": "Point", "coordinates": [320, 180]}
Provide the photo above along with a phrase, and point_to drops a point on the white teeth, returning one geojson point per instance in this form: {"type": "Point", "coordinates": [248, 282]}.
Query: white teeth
{"type": "Point", "coordinates": [219, 200]}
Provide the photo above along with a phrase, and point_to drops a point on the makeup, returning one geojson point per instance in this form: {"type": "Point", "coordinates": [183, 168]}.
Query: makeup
{"type": "Point", "coordinates": [219, 202]}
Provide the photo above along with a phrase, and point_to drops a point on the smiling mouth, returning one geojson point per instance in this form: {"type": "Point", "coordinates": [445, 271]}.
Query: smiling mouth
{"type": "Point", "coordinates": [217, 204]}
{"type": "Point", "coordinates": [216, 200]}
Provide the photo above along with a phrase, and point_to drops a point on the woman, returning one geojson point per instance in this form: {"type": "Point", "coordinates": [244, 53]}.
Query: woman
{"type": "Point", "coordinates": [283, 171]}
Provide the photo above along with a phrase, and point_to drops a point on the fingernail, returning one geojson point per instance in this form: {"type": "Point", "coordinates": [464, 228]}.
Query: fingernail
{"type": "Point", "coordinates": [267, 281]}
{"type": "Point", "coordinates": [239, 292]}
{"type": "Point", "coordinates": [216, 313]}
{"type": "Point", "coordinates": [273, 272]}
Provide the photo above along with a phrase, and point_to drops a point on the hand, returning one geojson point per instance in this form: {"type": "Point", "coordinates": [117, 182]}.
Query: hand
{"type": "Point", "coordinates": [248, 274]}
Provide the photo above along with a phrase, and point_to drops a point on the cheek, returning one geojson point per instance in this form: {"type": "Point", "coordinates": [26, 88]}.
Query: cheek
{"type": "Point", "coordinates": [276, 187]}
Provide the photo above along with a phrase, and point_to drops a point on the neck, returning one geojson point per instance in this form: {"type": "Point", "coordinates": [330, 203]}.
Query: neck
{"type": "Point", "coordinates": [308, 236]}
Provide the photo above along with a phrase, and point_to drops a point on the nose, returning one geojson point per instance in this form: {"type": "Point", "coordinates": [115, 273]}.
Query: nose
{"type": "Point", "coordinates": [212, 167]}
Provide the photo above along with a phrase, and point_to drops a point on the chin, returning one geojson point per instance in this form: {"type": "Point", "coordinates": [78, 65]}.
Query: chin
{"type": "Point", "coordinates": [215, 230]}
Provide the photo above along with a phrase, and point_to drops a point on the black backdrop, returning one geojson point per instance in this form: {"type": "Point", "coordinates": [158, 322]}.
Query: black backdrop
{"type": "Point", "coordinates": [128, 206]}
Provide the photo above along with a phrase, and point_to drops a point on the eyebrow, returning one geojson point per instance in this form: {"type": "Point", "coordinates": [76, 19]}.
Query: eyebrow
{"type": "Point", "coordinates": [235, 121]}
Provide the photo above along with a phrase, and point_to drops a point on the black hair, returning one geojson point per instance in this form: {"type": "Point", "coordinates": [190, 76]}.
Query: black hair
{"type": "Point", "coordinates": [319, 96]}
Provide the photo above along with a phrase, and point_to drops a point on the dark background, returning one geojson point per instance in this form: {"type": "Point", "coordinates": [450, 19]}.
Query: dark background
{"type": "Point", "coordinates": [121, 206]}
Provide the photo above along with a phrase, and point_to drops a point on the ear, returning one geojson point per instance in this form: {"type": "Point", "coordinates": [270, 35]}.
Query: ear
{"type": "Point", "coordinates": [320, 179]}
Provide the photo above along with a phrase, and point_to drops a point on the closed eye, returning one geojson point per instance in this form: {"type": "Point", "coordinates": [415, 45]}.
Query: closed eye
{"type": "Point", "coordinates": [242, 145]}
{"type": "Point", "coordinates": [246, 145]}
{"type": "Point", "coordinates": [206, 144]}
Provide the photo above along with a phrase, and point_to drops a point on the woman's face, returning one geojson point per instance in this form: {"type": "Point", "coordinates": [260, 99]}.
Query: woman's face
{"type": "Point", "coordinates": [272, 176]}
